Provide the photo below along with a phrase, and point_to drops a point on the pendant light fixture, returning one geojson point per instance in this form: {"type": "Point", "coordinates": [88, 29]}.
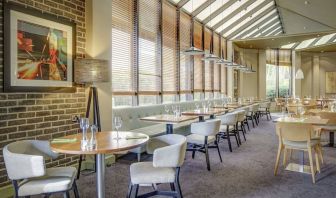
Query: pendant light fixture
{"type": "Point", "coordinates": [222, 60]}
{"type": "Point", "coordinates": [299, 74]}
{"type": "Point", "coordinates": [192, 50]}
{"type": "Point", "coordinates": [211, 56]}
{"type": "Point", "coordinates": [232, 64]}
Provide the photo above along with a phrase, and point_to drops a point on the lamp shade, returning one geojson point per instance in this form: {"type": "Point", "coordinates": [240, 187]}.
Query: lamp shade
{"type": "Point", "coordinates": [299, 74]}
{"type": "Point", "coordinates": [91, 70]}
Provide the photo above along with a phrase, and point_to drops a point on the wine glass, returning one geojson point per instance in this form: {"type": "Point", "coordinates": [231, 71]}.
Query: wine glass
{"type": "Point", "coordinates": [166, 107]}
{"type": "Point", "coordinates": [197, 106]}
{"type": "Point", "coordinates": [84, 124]}
{"type": "Point", "coordinates": [117, 125]}
{"type": "Point", "coordinates": [301, 111]}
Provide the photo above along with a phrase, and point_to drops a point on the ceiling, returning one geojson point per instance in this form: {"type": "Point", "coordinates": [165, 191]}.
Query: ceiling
{"type": "Point", "coordinates": [265, 23]}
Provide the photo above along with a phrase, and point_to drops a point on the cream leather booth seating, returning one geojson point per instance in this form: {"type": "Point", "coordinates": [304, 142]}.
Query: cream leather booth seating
{"type": "Point", "coordinates": [131, 119]}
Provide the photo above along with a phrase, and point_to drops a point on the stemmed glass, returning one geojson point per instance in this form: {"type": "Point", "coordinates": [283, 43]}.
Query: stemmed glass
{"type": "Point", "coordinates": [301, 111]}
{"type": "Point", "coordinates": [197, 106]}
{"type": "Point", "coordinates": [117, 125]}
{"type": "Point", "coordinates": [93, 140]}
{"type": "Point", "coordinates": [166, 107]}
{"type": "Point", "coordinates": [84, 125]}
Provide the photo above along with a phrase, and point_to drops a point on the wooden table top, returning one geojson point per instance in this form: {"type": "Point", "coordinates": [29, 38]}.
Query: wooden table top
{"type": "Point", "coordinates": [315, 120]}
{"type": "Point", "coordinates": [106, 143]}
{"type": "Point", "coordinates": [321, 110]}
{"type": "Point", "coordinates": [326, 99]}
{"type": "Point", "coordinates": [168, 118]}
{"type": "Point", "coordinates": [200, 112]}
{"type": "Point", "coordinates": [301, 105]}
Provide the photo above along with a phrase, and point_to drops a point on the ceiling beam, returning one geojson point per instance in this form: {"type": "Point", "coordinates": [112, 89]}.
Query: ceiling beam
{"type": "Point", "coordinates": [250, 22]}
{"type": "Point", "coordinates": [232, 14]}
{"type": "Point", "coordinates": [202, 7]}
{"type": "Point", "coordinates": [260, 30]}
{"type": "Point", "coordinates": [280, 16]}
{"type": "Point", "coordinates": [271, 30]}
{"type": "Point", "coordinates": [248, 14]}
{"type": "Point", "coordinates": [249, 26]}
{"type": "Point", "coordinates": [219, 10]}
{"type": "Point", "coordinates": [182, 3]}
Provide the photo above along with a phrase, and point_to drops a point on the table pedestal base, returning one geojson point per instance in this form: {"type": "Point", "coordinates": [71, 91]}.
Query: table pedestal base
{"type": "Point", "coordinates": [101, 175]}
{"type": "Point", "coordinates": [298, 168]}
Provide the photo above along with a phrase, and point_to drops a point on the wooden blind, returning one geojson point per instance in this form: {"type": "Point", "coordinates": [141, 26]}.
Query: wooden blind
{"type": "Point", "coordinates": [169, 58]}
{"type": "Point", "coordinates": [198, 73]}
{"type": "Point", "coordinates": [216, 44]}
{"type": "Point", "coordinates": [198, 35]}
{"type": "Point", "coordinates": [223, 69]}
{"type": "Point", "coordinates": [216, 67]}
{"type": "Point", "coordinates": [208, 66]}
{"type": "Point", "coordinates": [149, 62]}
{"type": "Point", "coordinates": [123, 70]}
{"type": "Point", "coordinates": [271, 57]}
{"type": "Point", "coordinates": [185, 60]}
{"type": "Point", "coordinates": [285, 57]}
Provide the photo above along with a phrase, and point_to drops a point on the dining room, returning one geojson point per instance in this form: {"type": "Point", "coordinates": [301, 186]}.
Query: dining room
{"type": "Point", "coordinates": [167, 98]}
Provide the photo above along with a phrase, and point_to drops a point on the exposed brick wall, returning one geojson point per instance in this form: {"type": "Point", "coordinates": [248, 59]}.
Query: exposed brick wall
{"type": "Point", "coordinates": [42, 115]}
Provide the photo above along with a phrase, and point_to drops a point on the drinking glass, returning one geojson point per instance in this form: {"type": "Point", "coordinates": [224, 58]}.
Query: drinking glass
{"type": "Point", "coordinates": [197, 106]}
{"type": "Point", "coordinates": [117, 125]}
{"type": "Point", "coordinates": [84, 125]}
{"type": "Point", "coordinates": [93, 140]}
{"type": "Point", "coordinates": [166, 107]}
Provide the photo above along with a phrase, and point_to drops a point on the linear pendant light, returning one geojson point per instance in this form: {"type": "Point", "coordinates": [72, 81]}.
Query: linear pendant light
{"type": "Point", "coordinates": [192, 50]}
{"type": "Point", "coordinates": [222, 60]}
{"type": "Point", "coordinates": [299, 74]}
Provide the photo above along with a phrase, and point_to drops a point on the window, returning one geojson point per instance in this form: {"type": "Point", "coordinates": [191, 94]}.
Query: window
{"type": "Point", "coordinates": [122, 43]}
{"type": "Point", "coordinates": [198, 63]}
{"type": "Point", "coordinates": [185, 60]}
{"type": "Point", "coordinates": [169, 56]}
{"type": "Point", "coordinates": [149, 63]}
{"type": "Point", "coordinates": [278, 72]}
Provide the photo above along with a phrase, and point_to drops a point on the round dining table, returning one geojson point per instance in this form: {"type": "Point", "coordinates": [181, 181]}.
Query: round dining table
{"type": "Point", "coordinates": [106, 142]}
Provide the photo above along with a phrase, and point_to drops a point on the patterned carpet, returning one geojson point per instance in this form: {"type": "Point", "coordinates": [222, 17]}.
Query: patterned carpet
{"type": "Point", "coordinates": [246, 172]}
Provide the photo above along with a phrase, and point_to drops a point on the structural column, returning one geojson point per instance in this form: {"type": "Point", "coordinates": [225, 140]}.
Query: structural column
{"type": "Point", "coordinates": [229, 70]}
{"type": "Point", "coordinates": [99, 45]}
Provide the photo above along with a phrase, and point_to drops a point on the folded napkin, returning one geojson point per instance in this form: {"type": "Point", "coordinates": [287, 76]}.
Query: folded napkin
{"type": "Point", "coordinates": [135, 137]}
{"type": "Point", "coordinates": [63, 140]}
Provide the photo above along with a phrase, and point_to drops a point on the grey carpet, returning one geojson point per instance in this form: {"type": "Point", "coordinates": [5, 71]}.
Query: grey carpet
{"type": "Point", "coordinates": [246, 172]}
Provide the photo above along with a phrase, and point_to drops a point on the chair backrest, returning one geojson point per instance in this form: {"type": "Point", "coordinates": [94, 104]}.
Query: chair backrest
{"type": "Point", "coordinates": [229, 118]}
{"type": "Point", "coordinates": [331, 116]}
{"type": "Point", "coordinates": [208, 128]}
{"type": "Point", "coordinates": [168, 150]}
{"type": "Point", "coordinates": [241, 115]}
{"type": "Point", "coordinates": [25, 159]}
{"type": "Point", "coordinates": [294, 131]}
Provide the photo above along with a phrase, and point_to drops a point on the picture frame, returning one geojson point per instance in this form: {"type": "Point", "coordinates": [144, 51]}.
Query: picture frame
{"type": "Point", "coordinates": [39, 51]}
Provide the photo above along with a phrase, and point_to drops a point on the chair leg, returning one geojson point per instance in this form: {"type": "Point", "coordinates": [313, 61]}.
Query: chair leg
{"type": "Point", "coordinates": [243, 129]}
{"type": "Point", "coordinates": [284, 160]}
{"type": "Point", "coordinates": [277, 160]}
{"type": "Point", "coordinates": [238, 134]}
{"type": "Point", "coordinates": [320, 153]}
{"type": "Point", "coordinates": [207, 156]}
{"type": "Point", "coordinates": [248, 125]}
{"type": "Point", "coordinates": [75, 189]}
{"type": "Point", "coordinates": [172, 186]}
{"type": "Point", "coordinates": [129, 192]}
{"type": "Point", "coordinates": [216, 143]}
{"type": "Point", "coordinates": [66, 194]}
{"type": "Point", "coordinates": [269, 113]}
{"type": "Point", "coordinates": [317, 159]}
{"type": "Point", "coordinates": [193, 153]}
{"type": "Point", "coordinates": [79, 166]}
{"type": "Point", "coordinates": [139, 156]}
{"type": "Point", "coordinates": [177, 184]}
{"type": "Point", "coordinates": [136, 190]}
{"type": "Point", "coordinates": [228, 138]}
{"type": "Point", "coordinates": [311, 164]}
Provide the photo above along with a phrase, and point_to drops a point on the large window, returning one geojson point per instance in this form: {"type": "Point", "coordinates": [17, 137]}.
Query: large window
{"type": "Point", "coordinates": [148, 63]}
{"type": "Point", "coordinates": [278, 72]}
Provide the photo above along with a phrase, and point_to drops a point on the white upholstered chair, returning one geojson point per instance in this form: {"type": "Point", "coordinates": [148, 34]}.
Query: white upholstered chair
{"type": "Point", "coordinates": [240, 123]}
{"type": "Point", "coordinates": [228, 127]}
{"type": "Point", "coordinates": [25, 165]}
{"type": "Point", "coordinates": [168, 156]}
{"type": "Point", "coordinates": [202, 135]}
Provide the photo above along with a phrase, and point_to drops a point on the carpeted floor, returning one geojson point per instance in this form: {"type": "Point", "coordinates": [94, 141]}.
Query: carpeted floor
{"type": "Point", "coordinates": [246, 172]}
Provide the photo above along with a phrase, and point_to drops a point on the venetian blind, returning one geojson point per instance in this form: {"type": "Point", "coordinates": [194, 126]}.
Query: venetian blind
{"type": "Point", "coordinates": [198, 64]}
{"type": "Point", "coordinates": [185, 60]}
{"type": "Point", "coordinates": [149, 63]}
{"type": "Point", "coordinates": [169, 58]}
{"type": "Point", "coordinates": [216, 67]}
{"type": "Point", "coordinates": [122, 45]}
{"type": "Point", "coordinates": [223, 69]}
{"type": "Point", "coordinates": [285, 57]}
{"type": "Point", "coordinates": [208, 66]}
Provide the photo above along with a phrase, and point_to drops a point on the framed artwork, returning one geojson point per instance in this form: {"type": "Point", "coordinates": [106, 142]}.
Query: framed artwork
{"type": "Point", "coordinates": [330, 78]}
{"type": "Point", "coordinates": [39, 50]}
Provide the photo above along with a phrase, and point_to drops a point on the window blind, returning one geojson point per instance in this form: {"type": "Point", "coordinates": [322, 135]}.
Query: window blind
{"type": "Point", "coordinates": [208, 66]}
{"type": "Point", "coordinates": [223, 69]}
{"type": "Point", "coordinates": [185, 60]}
{"type": "Point", "coordinates": [123, 69]}
{"type": "Point", "coordinates": [169, 58]}
{"type": "Point", "coordinates": [285, 57]}
{"type": "Point", "coordinates": [149, 62]}
{"type": "Point", "coordinates": [198, 63]}
{"type": "Point", "coordinates": [216, 67]}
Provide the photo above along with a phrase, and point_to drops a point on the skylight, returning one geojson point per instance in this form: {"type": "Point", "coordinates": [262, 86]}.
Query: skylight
{"type": "Point", "coordinates": [305, 43]}
{"type": "Point", "coordinates": [288, 46]}
{"type": "Point", "coordinates": [192, 5]}
{"type": "Point", "coordinates": [273, 31]}
{"type": "Point", "coordinates": [214, 6]}
{"type": "Point", "coordinates": [324, 39]}
{"type": "Point", "coordinates": [260, 27]}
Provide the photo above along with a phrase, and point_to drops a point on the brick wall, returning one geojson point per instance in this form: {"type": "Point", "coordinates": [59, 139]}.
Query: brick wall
{"type": "Point", "coordinates": [42, 115]}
